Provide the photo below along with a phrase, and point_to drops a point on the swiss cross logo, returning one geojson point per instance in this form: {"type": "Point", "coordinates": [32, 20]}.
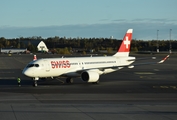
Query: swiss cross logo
{"type": "Point", "coordinates": [126, 42]}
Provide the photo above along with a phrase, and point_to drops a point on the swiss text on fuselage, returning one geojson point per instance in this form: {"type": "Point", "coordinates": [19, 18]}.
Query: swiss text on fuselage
{"type": "Point", "coordinates": [60, 64]}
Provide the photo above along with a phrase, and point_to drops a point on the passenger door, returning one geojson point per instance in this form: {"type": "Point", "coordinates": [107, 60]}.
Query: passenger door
{"type": "Point", "coordinates": [47, 65]}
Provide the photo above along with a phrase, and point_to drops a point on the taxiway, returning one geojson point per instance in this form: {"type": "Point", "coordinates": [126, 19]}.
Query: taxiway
{"type": "Point", "coordinates": [144, 92]}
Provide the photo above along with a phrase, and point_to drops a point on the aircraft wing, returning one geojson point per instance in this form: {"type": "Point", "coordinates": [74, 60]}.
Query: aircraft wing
{"type": "Point", "coordinates": [147, 63]}
{"type": "Point", "coordinates": [128, 66]}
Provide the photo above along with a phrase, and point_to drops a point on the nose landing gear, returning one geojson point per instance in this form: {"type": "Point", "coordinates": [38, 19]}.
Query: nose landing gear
{"type": "Point", "coordinates": [35, 82]}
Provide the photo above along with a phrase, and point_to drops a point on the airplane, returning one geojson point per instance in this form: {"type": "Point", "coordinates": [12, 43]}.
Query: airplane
{"type": "Point", "coordinates": [88, 69]}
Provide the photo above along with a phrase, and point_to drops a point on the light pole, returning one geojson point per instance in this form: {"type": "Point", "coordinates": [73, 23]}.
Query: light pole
{"type": "Point", "coordinates": [157, 41]}
{"type": "Point", "coordinates": [18, 46]}
{"type": "Point", "coordinates": [170, 47]}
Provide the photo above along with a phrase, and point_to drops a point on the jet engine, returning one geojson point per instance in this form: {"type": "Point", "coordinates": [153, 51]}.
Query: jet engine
{"type": "Point", "coordinates": [90, 76]}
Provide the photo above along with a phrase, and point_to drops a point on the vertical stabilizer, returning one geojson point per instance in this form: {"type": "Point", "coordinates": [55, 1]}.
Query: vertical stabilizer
{"type": "Point", "coordinates": [125, 45]}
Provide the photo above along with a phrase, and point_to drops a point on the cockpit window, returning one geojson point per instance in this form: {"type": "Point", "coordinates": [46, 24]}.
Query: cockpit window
{"type": "Point", "coordinates": [32, 65]}
{"type": "Point", "coordinates": [36, 65]}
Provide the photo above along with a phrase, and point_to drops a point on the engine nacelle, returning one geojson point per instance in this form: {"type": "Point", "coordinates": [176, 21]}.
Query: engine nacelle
{"type": "Point", "coordinates": [90, 76]}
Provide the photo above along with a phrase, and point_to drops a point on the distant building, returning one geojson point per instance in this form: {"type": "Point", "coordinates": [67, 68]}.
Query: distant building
{"type": "Point", "coordinates": [42, 47]}
{"type": "Point", "coordinates": [13, 50]}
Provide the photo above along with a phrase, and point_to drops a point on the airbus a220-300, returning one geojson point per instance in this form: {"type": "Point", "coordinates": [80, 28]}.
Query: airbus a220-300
{"type": "Point", "coordinates": [88, 69]}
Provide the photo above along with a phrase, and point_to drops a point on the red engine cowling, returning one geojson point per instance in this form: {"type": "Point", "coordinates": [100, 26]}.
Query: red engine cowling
{"type": "Point", "coordinates": [90, 76]}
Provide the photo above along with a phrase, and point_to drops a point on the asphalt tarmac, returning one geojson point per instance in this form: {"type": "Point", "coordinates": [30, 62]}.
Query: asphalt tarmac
{"type": "Point", "coordinates": [144, 92]}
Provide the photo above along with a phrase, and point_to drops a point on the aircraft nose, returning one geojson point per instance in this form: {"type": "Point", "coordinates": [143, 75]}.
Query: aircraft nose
{"type": "Point", "coordinates": [27, 72]}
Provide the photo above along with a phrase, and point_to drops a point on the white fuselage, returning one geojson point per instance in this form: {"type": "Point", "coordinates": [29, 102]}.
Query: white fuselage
{"type": "Point", "coordinates": [73, 67]}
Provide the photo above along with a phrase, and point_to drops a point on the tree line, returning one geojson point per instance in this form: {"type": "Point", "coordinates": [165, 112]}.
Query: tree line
{"type": "Point", "coordinates": [66, 45]}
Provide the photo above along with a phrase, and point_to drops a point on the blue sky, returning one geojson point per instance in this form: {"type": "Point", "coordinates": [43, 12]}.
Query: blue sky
{"type": "Point", "coordinates": [88, 18]}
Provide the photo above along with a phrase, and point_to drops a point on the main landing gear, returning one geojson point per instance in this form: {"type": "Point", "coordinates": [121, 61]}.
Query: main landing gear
{"type": "Point", "coordinates": [69, 80]}
{"type": "Point", "coordinates": [97, 82]}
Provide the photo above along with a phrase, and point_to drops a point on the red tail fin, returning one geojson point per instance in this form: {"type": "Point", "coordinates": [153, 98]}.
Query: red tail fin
{"type": "Point", "coordinates": [125, 45]}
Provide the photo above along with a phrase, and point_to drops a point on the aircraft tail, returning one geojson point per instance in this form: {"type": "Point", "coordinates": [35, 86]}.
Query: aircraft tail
{"type": "Point", "coordinates": [125, 45]}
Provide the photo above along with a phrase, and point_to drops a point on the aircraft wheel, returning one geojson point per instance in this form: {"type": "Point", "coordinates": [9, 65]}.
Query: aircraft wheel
{"type": "Point", "coordinates": [97, 82]}
{"type": "Point", "coordinates": [35, 83]}
{"type": "Point", "coordinates": [69, 80]}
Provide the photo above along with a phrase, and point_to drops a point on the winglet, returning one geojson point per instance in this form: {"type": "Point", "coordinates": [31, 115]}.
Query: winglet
{"type": "Point", "coordinates": [34, 58]}
{"type": "Point", "coordinates": [163, 60]}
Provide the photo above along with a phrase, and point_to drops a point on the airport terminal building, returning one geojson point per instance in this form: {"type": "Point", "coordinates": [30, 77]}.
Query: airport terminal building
{"type": "Point", "coordinates": [13, 50]}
